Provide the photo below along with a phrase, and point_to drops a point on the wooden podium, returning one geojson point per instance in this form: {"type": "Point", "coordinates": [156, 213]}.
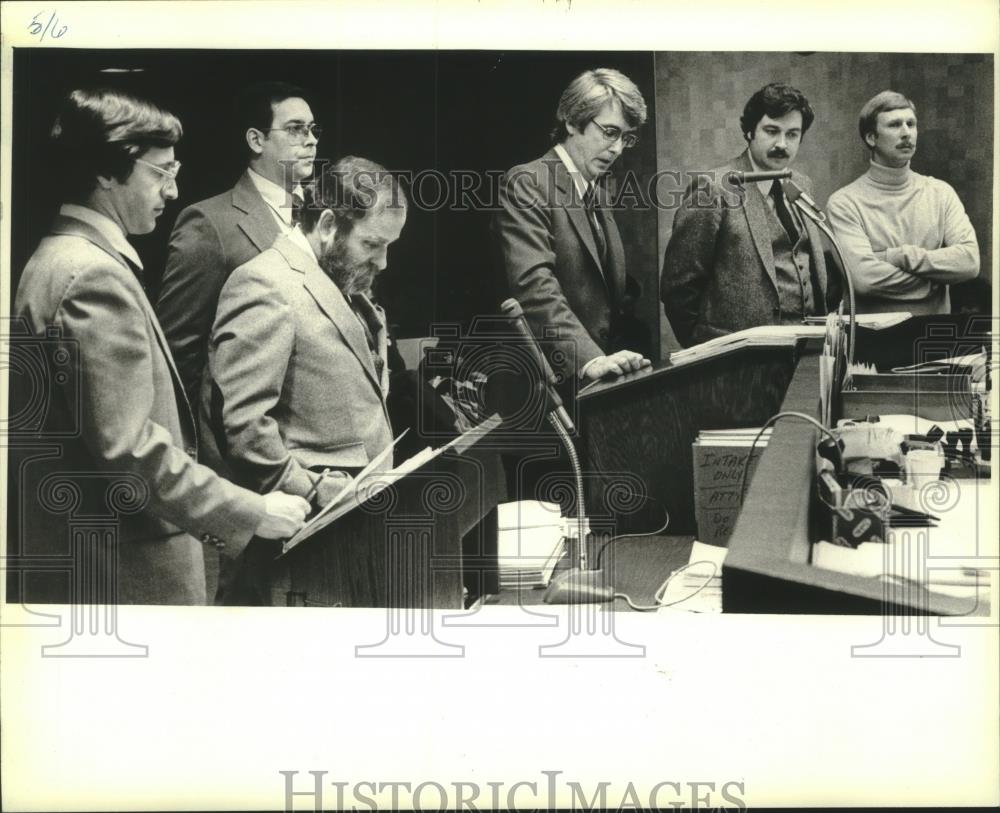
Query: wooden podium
{"type": "Point", "coordinates": [425, 541]}
{"type": "Point", "coordinates": [639, 428]}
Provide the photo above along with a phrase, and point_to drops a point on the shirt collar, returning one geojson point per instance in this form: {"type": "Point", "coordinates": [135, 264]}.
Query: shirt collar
{"type": "Point", "coordinates": [275, 196]}
{"type": "Point", "coordinates": [763, 186]}
{"type": "Point", "coordinates": [298, 237]}
{"type": "Point", "coordinates": [106, 227]}
{"type": "Point", "coordinates": [582, 186]}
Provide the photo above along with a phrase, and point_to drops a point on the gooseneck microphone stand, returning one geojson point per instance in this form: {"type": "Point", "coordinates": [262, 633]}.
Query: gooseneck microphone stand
{"type": "Point", "coordinates": [808, 207]}
{"type": "Point", "coordinates": [579, 584]}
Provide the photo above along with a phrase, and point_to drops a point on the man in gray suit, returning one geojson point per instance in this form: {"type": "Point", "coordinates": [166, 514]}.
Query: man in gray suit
{"type": "Point", "coordinates": [556, 239]}
{"type": "Point", "coordinates": [116, 443]}
{"type": "Point", "coordinates": [294, 396]}
{"type": "Point", "coordinates": [741, 256]}
{"type": "Point", "coordinates": [216, 235]}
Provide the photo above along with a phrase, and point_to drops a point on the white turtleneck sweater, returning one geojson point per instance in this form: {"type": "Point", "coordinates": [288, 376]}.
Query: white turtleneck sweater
{"type": "Point", "coordinates": [906, 236]}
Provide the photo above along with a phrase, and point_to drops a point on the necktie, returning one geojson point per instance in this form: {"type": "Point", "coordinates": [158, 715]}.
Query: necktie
{"type": "Point", "coordinates": [781, 210]}
{"type": "Point", "coordinates": [297, 205]}
{"type": "Point", "coordinates": [590, 204]}
{"type": "Point", "coordinates": [369, 336]}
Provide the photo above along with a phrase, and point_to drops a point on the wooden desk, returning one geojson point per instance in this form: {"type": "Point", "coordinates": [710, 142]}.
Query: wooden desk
{"type": "Point", "coordinates": [768, 565]}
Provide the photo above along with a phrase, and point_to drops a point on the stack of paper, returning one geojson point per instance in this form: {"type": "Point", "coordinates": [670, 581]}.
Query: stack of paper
{"type": "Point", "coordinates": [719, 456]}
{"type": "Point", "coordinates": [761, 336]}
{"type": "Point", "coordinates": [696, 587]}
{"type": "Point", "coordinates": [530, 541]}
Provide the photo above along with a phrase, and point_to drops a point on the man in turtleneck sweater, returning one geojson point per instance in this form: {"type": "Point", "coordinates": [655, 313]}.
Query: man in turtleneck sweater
{"type": "Point", "coordinates": [906, 236]}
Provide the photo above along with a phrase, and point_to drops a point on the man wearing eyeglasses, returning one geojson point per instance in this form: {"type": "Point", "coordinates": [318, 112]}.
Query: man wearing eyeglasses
{"type": "Point", "coordinates": [741, 256]}
{"type": "Point", "coordinates": [557, 241]}
{"type": "Point", "coordinates": [116, 442]}
{"type": "Point", "coordinates": [214, 236]}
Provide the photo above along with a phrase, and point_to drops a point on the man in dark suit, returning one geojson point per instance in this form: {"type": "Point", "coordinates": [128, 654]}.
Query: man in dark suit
{"type": "Point", "coordinates": [118, 434]}
{"type": "Point", "coordinates": [741, 256]}
{"type": "Point", "coordinates": [214, 236]}
{"type": "Point", "coordinates": [295, 390]}
{"type": "Point", "coordinates": [556, 239]}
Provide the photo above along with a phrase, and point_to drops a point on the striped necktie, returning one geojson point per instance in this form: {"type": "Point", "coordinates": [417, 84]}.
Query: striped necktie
{"type": "Point", "coordinates": [600, 238]}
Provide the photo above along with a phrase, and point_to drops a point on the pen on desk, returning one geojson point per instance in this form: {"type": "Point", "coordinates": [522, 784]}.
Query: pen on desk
{"type": "Point", "coordinates": [315, 487]}
{"type": "Point", "coordinates": [911, 512]}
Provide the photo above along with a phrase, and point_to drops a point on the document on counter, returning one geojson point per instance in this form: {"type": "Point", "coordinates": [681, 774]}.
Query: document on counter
{"type": "Point", "coordinates": [912, 424]}
{"type": "Point", "coordinates": [375, 477]}
{"type": "Point", "coordinates": [352, 495]}
{"type": "Point", "coordinates": [696, 587]}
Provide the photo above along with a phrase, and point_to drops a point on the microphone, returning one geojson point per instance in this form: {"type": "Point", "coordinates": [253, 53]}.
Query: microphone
{"type": "Point", "coordinates": [737, 177]}
{"type": "Point", "coordinates": [795, 195]}
{"type": "Point", "coordinates": [511, 308]}
{"type": "Point", "coordinates": [810, 209]}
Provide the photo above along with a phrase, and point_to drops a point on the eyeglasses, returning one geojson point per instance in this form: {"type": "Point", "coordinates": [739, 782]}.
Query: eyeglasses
{"type": "Point", "coordinates": [169, 171]}
{"type": "Point", "coordinates": [612, 134]}
{"type": "Point", "coordinates": [299, 132]}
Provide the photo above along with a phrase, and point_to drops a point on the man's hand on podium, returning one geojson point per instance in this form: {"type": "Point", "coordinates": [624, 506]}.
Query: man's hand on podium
{"type": "Point", "coordinates": [284, 515]}
{"type": "Point", "coordinates": [624, 361]}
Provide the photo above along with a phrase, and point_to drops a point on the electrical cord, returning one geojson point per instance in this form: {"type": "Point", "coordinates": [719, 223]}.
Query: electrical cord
{"type": "Point", "coordinates": [617, 539]}
{"type": "Point", "coordinates": [770, 422]}
{"type": "Point", "coordinates": [662, 590]}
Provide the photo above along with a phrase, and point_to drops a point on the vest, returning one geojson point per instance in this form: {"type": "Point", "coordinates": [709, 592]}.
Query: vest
{"type": "Point", "coordinates": [797, 288]}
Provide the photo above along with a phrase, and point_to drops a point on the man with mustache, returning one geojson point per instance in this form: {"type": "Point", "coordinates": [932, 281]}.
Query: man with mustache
{"type": "Point", "coordinates": [294, 396]}
{"type": "Point", "coordinates": [214, 236]}
{"type": "Point", "coordinates": [906, 236]}
{"type": "Point", "coordinates": [741, 256]}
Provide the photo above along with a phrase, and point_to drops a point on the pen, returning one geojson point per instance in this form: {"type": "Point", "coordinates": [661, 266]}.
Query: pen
{"type": "Point", "coordinates": [315, 488]}
{"type": "Point", "coordinates": [910, 512]}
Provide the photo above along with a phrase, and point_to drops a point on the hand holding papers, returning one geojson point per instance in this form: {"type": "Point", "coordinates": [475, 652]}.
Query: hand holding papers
{"type": "Point", "coordinates": [348, 498]}
{"type": "Point", "coordinates": [379, 474]}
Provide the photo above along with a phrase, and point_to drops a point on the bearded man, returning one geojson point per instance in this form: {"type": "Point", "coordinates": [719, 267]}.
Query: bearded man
{"type": "Point", "coordinates": [294, 393]}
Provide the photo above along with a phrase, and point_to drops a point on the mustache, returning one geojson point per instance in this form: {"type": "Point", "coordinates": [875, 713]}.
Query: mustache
{"type": "Point", "coordinates": [777, 152]}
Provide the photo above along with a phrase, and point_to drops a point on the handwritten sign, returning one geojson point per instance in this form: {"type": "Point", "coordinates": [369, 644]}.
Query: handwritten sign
{"type": "Point", "coordinates": [43, 27]}
{"type": "Point", "coordinates": [717, 471]}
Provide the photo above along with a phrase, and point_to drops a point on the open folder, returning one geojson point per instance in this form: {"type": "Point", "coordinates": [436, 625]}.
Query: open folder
{"type": "Point", "coordinates": [378, 475]}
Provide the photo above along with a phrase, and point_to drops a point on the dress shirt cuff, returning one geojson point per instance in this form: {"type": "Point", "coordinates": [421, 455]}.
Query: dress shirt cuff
{"type": "Point", "coordinates": [583, 370]}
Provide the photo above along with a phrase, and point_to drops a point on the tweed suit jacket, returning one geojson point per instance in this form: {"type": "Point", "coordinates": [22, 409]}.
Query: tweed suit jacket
{"type": "Point", "coordinates": [209, 240]}
{"type": "Point", "coordinates": [291, 384]}
{"type": "Point", "coordinates": [116, 443]}
{"type": "Point", "coordinates": [718, 268]}
{"type": "Point", "coordinates": [545, 247]}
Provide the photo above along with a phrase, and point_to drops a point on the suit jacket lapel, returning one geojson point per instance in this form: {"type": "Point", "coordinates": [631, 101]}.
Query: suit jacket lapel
{"type": "Point", "coordinates": [571, 201]}
{"type": "Point", "coordinates": [616, 250]}
{"type": "Point", "coordinates": [258, 222]}
{"type": "Point", "coordinates": [332, 302]}
{"type": "Point", "coordinates": [376, 316]}
{"type": "Point", "coordinates": [755, 211]}
{"type": "Point", "coordinates": [818, 261]}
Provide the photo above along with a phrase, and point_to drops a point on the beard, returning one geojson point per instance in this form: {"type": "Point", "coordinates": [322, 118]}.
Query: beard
{"type": "Point", "coordinates": [350, 277]}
